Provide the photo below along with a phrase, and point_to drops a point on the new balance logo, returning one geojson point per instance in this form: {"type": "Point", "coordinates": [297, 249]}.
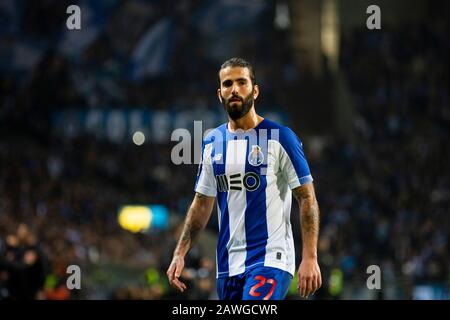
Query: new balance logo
{"type": "Point", "coordinates": [250, 182]}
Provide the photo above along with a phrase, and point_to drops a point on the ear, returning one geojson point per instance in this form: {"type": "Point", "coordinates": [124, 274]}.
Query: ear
{"type": "Point", "coordinates": [255, 91]}
{"type": "Point", "coordinates": [219, 95]}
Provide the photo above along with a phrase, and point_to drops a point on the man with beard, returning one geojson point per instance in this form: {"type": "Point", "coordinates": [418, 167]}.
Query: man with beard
{"type": "Point", "coordinates": [252, 166]}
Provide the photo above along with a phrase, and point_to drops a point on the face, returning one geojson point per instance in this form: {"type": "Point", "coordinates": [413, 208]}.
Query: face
{"type": "Point", "coordinates": [237, 93]}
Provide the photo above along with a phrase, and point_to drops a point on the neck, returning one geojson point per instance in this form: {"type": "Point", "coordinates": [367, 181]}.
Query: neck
{"type": "Point", "coordinates": [249, 121]}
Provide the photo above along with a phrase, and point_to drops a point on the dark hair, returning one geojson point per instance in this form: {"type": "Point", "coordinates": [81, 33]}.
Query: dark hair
{"type": "Point", "coordinates": [237, 62]}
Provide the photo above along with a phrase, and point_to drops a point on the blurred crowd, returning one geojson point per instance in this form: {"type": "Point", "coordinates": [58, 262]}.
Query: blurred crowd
{"type": "Point", "coordinates": [384, 193]}
{"type": "Point", "coordinates": [67, 197]}
{"type": "Point", "coordinates": [45, 65]}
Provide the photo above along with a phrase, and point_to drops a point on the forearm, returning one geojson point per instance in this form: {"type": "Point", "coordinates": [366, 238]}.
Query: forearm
{"type": "Point", "coordinates": [191, 229]}
{"type": "Point", "coordinates": [309, 220]}
{"type": "Point", "coordinates": [196, 219]}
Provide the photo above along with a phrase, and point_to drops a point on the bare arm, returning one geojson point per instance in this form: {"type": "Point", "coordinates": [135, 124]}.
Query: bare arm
{"type": "Point", "coordinates": [309, 272]}
{"type": "Point", "coordinates": [196, 219]}
{"type": "Point", "coordinates": [309, 218]}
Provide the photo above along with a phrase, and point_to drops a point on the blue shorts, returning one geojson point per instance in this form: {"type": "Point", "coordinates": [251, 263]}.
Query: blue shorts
{"type": "Point", "coordinates": [259, 283]}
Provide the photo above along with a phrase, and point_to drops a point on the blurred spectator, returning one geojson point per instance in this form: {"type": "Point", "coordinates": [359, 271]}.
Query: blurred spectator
{"type": "Point", "coordinates": [384, 195]}
{"type": "Point", "coordinates": [23, 266]}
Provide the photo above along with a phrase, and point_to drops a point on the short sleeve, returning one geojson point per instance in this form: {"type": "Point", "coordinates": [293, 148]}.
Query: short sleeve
{"type": "Point", "coordinates": [205, 182]}
{"type": "Point", "coordinates": [293, 162]}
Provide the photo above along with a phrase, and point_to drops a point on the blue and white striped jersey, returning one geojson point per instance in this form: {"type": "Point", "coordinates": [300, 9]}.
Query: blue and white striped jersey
{"type": "Point", "coordinates": [252, 173]}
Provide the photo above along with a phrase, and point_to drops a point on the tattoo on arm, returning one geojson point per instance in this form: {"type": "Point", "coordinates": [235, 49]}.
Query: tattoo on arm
{"type": "Point", "coordinates": [196, 220]}
{"type": "Point", "coordinates": [190, 231]}
{"type": "Point", "coordinates": [309, 218]}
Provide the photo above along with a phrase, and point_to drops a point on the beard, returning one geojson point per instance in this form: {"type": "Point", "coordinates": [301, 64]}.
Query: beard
{"type": "Point", "coordinates": [238, 109]}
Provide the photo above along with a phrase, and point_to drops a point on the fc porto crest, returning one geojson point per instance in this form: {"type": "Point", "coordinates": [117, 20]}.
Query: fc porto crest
{"type": "Point", "coordinates": [255, 157]}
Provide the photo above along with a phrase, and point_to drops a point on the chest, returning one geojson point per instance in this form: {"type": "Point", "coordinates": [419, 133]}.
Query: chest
{"type": "Point", "coordinates": [242, 165]}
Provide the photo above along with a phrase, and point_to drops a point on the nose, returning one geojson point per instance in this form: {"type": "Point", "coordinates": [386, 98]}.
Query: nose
{"type": "Point", "coordinates": [234, 90]}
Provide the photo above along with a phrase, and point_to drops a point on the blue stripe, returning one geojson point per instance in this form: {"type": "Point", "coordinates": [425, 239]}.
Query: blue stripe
{"type": "Point", "coordinates": [294, 149]}
{"type": "Point", "coordinates": [255, 212]}
{"type": "Point", "coordinates": [224, 232]}
{"type": "Point", "coordinates": [200, 168]}
{"type": "Point", "coordinates": [306, 179]}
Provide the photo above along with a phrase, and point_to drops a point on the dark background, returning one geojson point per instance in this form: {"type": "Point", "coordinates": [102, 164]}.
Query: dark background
{"type": "Point", "coordinates": [372, 108]}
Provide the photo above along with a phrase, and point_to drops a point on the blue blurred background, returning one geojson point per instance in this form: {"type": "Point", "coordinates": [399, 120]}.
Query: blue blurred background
{"type": "Point", "coordinates": [372, 108]}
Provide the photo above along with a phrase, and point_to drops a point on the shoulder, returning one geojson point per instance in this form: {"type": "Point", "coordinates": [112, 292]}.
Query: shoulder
{"type": "Point", "coordinates": [286, 136]}
{"type": "Point", "coordinates": [215, 134]}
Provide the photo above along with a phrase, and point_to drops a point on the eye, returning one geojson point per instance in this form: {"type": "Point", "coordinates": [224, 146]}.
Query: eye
{"type": "Point", "coordinates": [227, 83]}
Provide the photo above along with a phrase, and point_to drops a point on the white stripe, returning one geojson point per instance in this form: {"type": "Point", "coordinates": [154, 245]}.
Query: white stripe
{"type": "Point", "coordinates": [278, 203]}
{"type": "Point", "coordinates": [219, 220]}
{"type": "Point", "coordinates": [289, 236]}
{"type": "Point", "coordinates": [219, 214]}
{"type": "Point", "coordinates": [207, 183]}
{"type": "Point", "coordinates": [286, 164]}
{"type": "Point", "coordinates": [237, 202]}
